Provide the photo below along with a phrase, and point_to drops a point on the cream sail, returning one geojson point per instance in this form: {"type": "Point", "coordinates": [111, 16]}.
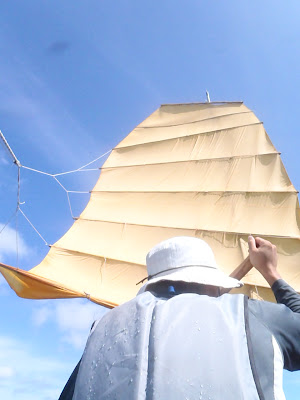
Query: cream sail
{"type": "Point", "coordinates": [207, 170]}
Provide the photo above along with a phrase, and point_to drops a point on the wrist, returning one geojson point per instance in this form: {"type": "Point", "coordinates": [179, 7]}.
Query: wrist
{"type": "Point", "coordinates": [271, 276]}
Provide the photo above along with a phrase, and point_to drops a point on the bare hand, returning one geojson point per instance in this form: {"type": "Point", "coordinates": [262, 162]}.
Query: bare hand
{"type": "Point", "coordinates": [263, 257]}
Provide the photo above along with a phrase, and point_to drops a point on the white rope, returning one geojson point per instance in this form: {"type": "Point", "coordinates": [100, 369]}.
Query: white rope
{"type": "Point", "coordinates": [10, 218]}
{"type": "Point", "coordinates": [76, 191]}
{"type": "Point", "coordinates": [17, 242]}
{"type": "Point", "coordinates": [77, 170]}
{"type": "Point", "coordinates": [33, 227]}
{"type": "Point", "coordinates": [81, 168]}
{"type": "Point", "coordinates": [18, 207]}
{"type": "Point", "coordinates": [36, 170]}
{"type": "Point", "coordinates": [71, 211]}
{"type": "Point", "coordinates": [54, 176]}
{"type": "Point", "coordinates": [96, 159]}
{"type": "Point", "coordinates": [60, 184]}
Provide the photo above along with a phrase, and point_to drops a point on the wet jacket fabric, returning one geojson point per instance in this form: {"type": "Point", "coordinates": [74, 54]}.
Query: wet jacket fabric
{"type": "Point", "coordinates": [191, 347]}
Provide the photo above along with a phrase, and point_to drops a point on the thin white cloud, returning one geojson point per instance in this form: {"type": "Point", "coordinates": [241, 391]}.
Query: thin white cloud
{"type": "Point", "coordinates": [10, 242]}
{"type": "Point", "coordinates": [41, 315]}
{"type": "Point", "coordinates": [6, 372]}
{"type": "Point", "coordinates": [24, 375]}
{"type": "Point", "coordinates": [4, 288]}
{"type": "Point", "coordinates": [30, 98]}
{"type": "Point", "coordinates": [3, 160]}
{"type": "Point", "coordinates": [73, 318]}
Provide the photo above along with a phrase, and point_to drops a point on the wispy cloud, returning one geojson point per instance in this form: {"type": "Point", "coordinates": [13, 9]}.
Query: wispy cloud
{"type": "Point", "coordinates": [26, 376]}
{"type": "Point", "coordinates": [39, 109]}
{"type": "Point", "coordinates": [10, 242]}
{"type": "Point", "coordinates": [72, 317]}
{"type": "Point", "coordinates": [3, 159]}
{"type": "Point", "coordinates": [4, 288]}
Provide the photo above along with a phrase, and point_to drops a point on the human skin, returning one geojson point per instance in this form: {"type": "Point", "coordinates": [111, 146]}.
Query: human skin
{"type": "Point", "coordinates": [263, 257]}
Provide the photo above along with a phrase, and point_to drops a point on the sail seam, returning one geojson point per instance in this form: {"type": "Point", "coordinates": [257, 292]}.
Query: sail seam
{"type": "Point", "coordinates": [198, 160]}
{"type": "Point", "coordinates": [196, 121]}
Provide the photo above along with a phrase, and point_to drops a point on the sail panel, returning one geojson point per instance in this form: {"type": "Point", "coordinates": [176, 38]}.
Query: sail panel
{"type": "Point", "coordinates": [130, 243]}
{"type": "Point", "coordinates": [259, 213]}
{"type": "Point", "coordinates": [114, 278]}
{"type": "Point", "coordinates": [149, 134]}
{"type": "Point", "coordinates": [179, 114]}
{"type": "Point", "coordinates": [201, 170]}
{"type": "Point", "coordinates": [253, 173]}
{"type": "Point", "coordinates": [248, 140]}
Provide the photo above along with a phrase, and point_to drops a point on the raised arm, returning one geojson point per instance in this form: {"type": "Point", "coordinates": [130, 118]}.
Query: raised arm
{"type": "Point", "coordinates": [283, 322]}
{"type": "Point", "coordinates": [263, 256]}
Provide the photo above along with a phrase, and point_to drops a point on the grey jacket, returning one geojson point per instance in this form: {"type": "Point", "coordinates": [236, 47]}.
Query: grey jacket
{"type": "Point", "coordinates": [191, 347]}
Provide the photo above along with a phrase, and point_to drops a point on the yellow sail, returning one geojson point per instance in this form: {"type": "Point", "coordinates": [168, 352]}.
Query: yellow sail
{"type": "Point", "coordinates": [204, 170]}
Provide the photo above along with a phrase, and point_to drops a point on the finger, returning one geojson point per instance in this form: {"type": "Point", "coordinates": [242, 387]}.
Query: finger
{"type": "Point", "coordinates": [251, 243]}
{"type": "Point", "coordinates": [261, 242]}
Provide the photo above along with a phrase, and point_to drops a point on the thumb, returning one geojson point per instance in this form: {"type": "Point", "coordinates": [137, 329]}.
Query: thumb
{"type": "Point", "coordinates": [251, 243]}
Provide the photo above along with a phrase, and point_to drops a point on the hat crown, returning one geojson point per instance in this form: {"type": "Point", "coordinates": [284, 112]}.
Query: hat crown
{"type": "Point", "coordinates": [179, 252]}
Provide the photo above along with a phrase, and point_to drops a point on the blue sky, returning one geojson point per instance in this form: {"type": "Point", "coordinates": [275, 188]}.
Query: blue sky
{"type": "Point", "coordinates": [75, 78]}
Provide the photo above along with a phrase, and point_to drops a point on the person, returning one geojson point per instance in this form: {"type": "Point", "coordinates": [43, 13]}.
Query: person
{"type": "Point", "coordinates": [179, 338]}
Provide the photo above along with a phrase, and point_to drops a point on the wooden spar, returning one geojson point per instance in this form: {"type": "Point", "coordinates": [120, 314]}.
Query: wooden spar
{"type": "Point", "coordinates": [240, 272]}
{"type": "Point", "coordinates": [16, 161]}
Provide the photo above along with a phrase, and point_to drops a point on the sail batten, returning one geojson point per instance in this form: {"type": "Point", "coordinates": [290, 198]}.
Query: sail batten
{"type": "Point", "coordinates": [207, 170]}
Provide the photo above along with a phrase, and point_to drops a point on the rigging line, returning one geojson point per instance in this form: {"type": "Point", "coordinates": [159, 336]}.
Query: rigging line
{"type": "Point", "coordinates": [36, 170]}
{"type": "Point", "coordinates": [68, 197]}
{"type": "Point", "coordinates": [19, 187]}
{"type": "Point", "coordinates": [33, 227]}
{"type": "Point", "coordinates": [91, 162]}
{"type": "Point", "coordinates": [86, 165]}
{"type": "Point", "coordinates": [17, 242]}
{"type": "Point", "coordinates": [77, 170]}
{"type": "Point", "coordinates": [17, 219]}
{"type": "Point", "coordinates": [60, 184]}
{"type": "Point", "coordinates": [10, 218]}
{"type": "Point", "coordinates": [76, 191]}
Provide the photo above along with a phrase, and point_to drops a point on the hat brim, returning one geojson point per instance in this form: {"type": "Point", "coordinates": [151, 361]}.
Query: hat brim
{"type": "Point", "coordinates": [197, 274]}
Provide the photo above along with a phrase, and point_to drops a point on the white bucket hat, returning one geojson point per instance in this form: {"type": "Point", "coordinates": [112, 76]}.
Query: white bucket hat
{"type": "Point", "coordinates": [186, 259]}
